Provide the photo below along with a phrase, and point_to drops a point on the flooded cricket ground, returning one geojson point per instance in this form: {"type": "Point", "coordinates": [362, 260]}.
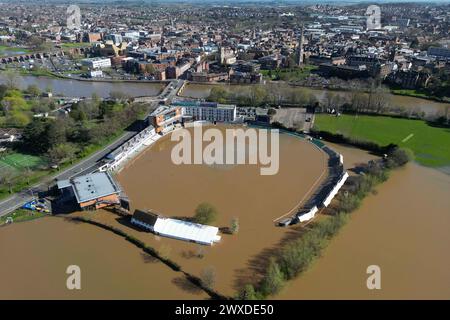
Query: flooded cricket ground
{"type": "Point", "coordinates": [403, 228]}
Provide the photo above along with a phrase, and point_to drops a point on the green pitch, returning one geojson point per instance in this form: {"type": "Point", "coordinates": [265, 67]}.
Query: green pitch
{"type": "Point", "coordinates": [18, 162]}
{"type": "Point", "coordinates": [431, 145]}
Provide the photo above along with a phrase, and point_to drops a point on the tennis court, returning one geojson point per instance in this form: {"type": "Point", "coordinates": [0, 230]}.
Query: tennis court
{"type": "Point", "coordinates": [17, 162]}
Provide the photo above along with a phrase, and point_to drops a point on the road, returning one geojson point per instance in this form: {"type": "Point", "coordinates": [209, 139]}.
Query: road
{"type": "Point", "coordinates": [85, 166]}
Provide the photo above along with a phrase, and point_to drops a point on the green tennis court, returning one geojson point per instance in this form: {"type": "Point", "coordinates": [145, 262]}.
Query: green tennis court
{"type": "Point", "coordinates": [18, 161]}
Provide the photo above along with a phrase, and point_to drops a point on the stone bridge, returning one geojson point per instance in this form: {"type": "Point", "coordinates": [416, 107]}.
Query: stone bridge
{"type": "Point", "coordinates": [39, 55]}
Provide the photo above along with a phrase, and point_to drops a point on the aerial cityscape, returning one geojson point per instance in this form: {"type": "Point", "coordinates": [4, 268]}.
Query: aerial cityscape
{"type": "Point", "coordinates": [237, 150]}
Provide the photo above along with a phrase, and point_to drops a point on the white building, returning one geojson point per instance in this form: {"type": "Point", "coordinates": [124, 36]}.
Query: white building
{"type": "Point", "coordinates": [96, 63]}
{"type": "Point", "coordinates": [208, 111]}
{"type": "Point", "coordinates": [177, 229]}
{"type": "Point", "coordinates": [96, 73]}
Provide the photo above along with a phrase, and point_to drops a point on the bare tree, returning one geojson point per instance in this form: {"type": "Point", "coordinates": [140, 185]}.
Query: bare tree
{"type": "Point", "coordinates": [208, 277]}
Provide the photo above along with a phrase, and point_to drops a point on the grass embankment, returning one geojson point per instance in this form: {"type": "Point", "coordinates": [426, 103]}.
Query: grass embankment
{"type": "Point", "coordinates": [10, 51]}
{"type": "Point", "coordinates": [418, 94]}
{"type": "Point", "coordinates": [71, 45]}
{"type": "Point", "coordinates": [297, 255]}
{"type": "Point", "coordinates": [21, 215]}
{"type": "Point", "coordinates": [290, 74]}
{"type": "Point", "coordinates": [154, 253]}
{"type": "Point", "coordinates": [429, 144]}
{"type": "Point", "coordinates": [40, 72]}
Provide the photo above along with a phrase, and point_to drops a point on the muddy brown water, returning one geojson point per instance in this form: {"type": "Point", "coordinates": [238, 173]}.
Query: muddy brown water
{"type": "Point", "coordinates": [403, 229]}
{"type": "Point", "coordinates": [152, 181]}
{"type": "Point", "coordinates": [34, 257]}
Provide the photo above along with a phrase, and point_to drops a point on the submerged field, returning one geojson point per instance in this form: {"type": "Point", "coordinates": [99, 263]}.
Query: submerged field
{"type": "Point", "coordinates": [153, 182]}
{"type": "Point", "coordinates": [35, 256]}
{"type": "Point", "coordinates": [429, 144]}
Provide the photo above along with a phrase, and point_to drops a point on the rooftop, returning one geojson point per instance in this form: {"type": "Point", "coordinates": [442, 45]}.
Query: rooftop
{"type": "Point", "coordinates": [91, 186]}
{"type": "Point", "coordinates": [202, 104]}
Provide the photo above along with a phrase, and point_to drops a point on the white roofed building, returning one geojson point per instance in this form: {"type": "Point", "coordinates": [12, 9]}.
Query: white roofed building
{"type": "Point", "coordinates": [177, 229]}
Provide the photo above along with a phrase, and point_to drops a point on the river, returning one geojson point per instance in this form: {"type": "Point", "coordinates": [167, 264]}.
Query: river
{"type": "Point", "coordinates": [430, 107]}
{"type": "Point", "coordinates": [74, 88]}
{"type": "Point", "coordinates": [77, 88]}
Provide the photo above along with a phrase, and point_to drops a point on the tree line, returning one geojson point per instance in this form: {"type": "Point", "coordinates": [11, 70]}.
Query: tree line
{"type": "Point", "coordinates": [88, 123]}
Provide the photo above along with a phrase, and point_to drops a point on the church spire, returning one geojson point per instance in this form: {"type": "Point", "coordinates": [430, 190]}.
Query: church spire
{"type": "Point", "coordinates": [300, 47]}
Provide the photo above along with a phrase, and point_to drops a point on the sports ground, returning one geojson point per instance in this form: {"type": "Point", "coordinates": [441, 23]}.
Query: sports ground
{"type": "Point", "coordinates": [429, 144]}
{"type": "Point", "coordinates": [17, 162]}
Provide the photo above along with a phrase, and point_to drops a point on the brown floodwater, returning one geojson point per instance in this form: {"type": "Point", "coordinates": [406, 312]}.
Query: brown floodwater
{"type": "Point", "coordinates": [152, 181]}
{"type": "Point", "coordinates": [403, 229]}
{"type": "Point", "coordinates": [201, 91]}
{"type": "Point", "coordinates": [34, 257]}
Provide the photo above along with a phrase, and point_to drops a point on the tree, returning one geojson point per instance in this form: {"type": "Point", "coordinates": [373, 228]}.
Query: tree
{"type": "Point", "coordinates": [11, 79]}
{"type": "Point", "coordinates": [399, 157]}
{"type": "Point", "coordinates": [33, 90]}
{"type": "Point", "coordinates": [61, 153]}
{"type": "Point", "coordinates": [56, 133]}
{"type": "Point", "coordinates": [7, 178]}
{"type": "Point", "coordinates": [257, 96]}
{"type": "Point", "coordinates": [205, 213]}
{"type": "Point", "coordinates": [208, 277]}
{"type": "Point", "coordinates": [27, 173]}
{"type": "Point", "coordinates": [34, 136]}
{"type": "Point", "coordinates": [273, 280]}
{"type": "Point", "coordinates": [234, 228]}
{"type": "Point", "coordinates": [248, 293]}
{"type": "Point", "coordinates": [218, 94]}
{"type": "Point", "coordinates": [3, 89]}
{"type": "Point", "coordinates": [17, 119]}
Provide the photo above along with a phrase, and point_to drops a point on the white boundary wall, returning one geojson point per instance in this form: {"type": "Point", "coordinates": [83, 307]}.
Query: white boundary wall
{"type": "Point", "coordinates": [308, 215]}
{"type": "Point", "coordinates": [335, 190]}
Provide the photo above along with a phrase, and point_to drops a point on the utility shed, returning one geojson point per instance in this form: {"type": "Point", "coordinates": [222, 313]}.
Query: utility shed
{"type": "Point", "coordinates": [177, 229]}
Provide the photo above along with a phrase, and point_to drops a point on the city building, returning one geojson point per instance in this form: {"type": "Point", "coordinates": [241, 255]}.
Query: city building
{"type": "Point", "coordinates": [207, 111]}
{"type": "Point", "coordinates": [164, 118]}
{"type": "Point", "coordinates": [439, 52]}
{"type": "Point", "coordinates": [96, 63]}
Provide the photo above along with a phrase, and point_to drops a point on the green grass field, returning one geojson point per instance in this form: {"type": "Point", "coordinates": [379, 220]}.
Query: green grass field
{"type": "Point", "coordinates": [11, 51]}
{"type": "Point", "coordinates": [21, 215]}
{"type": "Point", "coordinates": [18, 162]}
{"type": "Point", "coordinates": [430, 145]}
